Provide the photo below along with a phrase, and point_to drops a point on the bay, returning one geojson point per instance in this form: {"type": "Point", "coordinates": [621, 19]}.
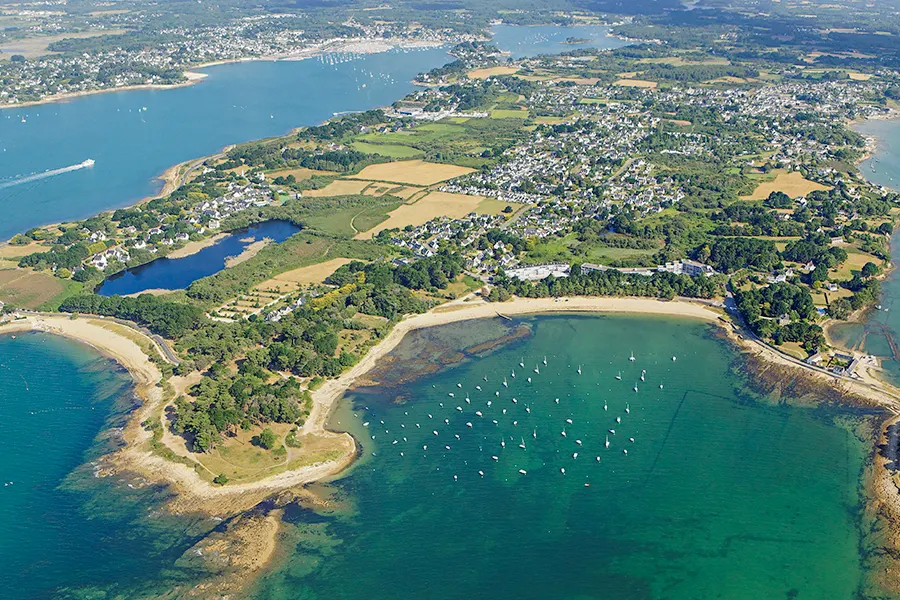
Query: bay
{"type": "Point", "coordinates": [721, 494]}
{"type": "Point", "coordinates": [522, 42]}
{"type": "Point", "coordinates": [879, 333]}
{"type": "Point", "coordinates": [132, 147]}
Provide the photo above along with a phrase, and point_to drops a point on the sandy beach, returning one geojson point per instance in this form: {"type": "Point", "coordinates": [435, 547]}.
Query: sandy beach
{"type": "Point", "coordinates": [257, 535]}
{"type": "Point", "coordinates": [137, 454]}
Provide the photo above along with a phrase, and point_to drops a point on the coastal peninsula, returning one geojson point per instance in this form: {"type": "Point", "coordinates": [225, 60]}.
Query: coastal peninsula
{"type": "Point", "coordinates": [715, 186]}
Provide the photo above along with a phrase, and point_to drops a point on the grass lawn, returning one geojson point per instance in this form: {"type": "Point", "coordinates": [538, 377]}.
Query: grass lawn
{"type": "Point", "coordinates": [351, 221]}
{"type": "Point", "coordinates": [391, 150]}
{"type": "Point", "coordinates": [855, 261]}
{"type": "Point", "coordinates": [509, 114]}
{"type": "Point", "coordinates": [565, 250]}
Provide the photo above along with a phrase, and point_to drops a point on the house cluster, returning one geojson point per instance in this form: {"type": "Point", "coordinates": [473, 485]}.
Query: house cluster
{"type": "Point", "coordinates": [116, 254]}
{"type": "Point", "coordinates": [678, 267]}
{"type": "Point", "coordinates": [425, 240]}
{"type": "Point", "coordinates": [178, 48]}
{"type": "Point", "coordinates": [277, 315]}
{"type": "Point", "coordinates": [238, 197]}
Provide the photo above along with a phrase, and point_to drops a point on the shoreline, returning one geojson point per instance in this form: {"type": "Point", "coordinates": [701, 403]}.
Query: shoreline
{"type": "Point", "coordinates": [192, 76]}
{"type": "Point", "coordinates": [196, 495]}
{"type": "Point", "coordinates": [196, 490]}
{"type": "Point", "coordinates": [170, 176]}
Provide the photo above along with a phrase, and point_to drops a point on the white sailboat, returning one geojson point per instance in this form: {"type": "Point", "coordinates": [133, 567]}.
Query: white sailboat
{"type": "Point", "coordinates": [631, 358]}
{"type": "Point", "coordinates": [607, 441]}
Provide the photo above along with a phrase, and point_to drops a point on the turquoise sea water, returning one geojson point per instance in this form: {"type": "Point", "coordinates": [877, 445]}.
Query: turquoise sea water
{"type": "Point", "coordinates": [65, 533]}
{"type": "Point", "coordinates": [136, 135]}
{"type": "Point", "coordinates": [718, 497]}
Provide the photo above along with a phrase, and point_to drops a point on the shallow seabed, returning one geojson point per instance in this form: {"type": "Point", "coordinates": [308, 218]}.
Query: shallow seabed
{"type": "Point", "coordinates": [720, 495]}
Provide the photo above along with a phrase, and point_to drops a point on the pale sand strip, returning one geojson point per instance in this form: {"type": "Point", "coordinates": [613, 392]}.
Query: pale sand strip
{"type": "Point", "coordinates": [195, 247]}
{"type": "Point", "coordinates": [185, 478]}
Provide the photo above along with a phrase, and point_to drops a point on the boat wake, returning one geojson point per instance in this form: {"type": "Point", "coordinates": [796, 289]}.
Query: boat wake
{"type": "Point", "coordinates": [51, 173]}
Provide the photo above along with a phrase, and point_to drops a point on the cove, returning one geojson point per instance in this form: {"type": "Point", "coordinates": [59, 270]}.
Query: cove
{"type": "Point", "coordinates": [722, 494]}
{"type": "Point", "coordinates": [179, 273]}
{"type": "Point", "coordinates": [134, 136]}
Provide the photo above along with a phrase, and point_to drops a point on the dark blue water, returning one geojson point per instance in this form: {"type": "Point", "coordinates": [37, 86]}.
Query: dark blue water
{"type": "Point", "coordinates": [179, 273]}
{"type": "Point", "coordinates": [132, 147]}
{"type": "Point", "coordinates": [134, 136]}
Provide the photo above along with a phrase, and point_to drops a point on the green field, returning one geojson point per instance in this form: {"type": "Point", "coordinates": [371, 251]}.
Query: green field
{"type": "Point", "coordinates": [348, 222]}
{"type": "Point", "coordinates": [391, 150]}
{"type": "Point", "coordinates": [568, 249]}
{"type": "Point", "coordinates": [509, 114]}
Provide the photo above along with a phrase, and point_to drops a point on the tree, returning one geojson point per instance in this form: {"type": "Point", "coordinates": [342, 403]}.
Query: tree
{"type": "Point", "coordinates": [839, 309]}
{"type": "Point", "coordinates": [267, 439]}
{"type": "Point", "coordinates": [870, 269]}
{"type": "Point", "coordinates": [221, 479]}
{"type": "Point", "coordinates": [779, 200]}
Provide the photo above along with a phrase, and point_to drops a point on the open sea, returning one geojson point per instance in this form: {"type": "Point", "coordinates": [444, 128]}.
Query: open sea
{"type": "Point", "coordinates": [66, 532]}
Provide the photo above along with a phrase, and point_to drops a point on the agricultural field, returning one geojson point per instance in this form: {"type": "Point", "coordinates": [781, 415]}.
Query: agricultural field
{"type": "Point", "coordinates": [37, 46]}
{"type": "Point", "coordinates": [295, 279]}
{"type": "Point", "coordinates": [793, 184]}
{"type": "Point", "coordinates": [637, 83]}
{"type": "Point", "coordinates": [509, 114]}
{"type": "Point", "coordinates": [492, 71]}
{"type": "Point", "coordinates": [436, 204]}
{"type": "Point", "coordinates": [339, 187]}
{"type": "Point", "coordinates": [13, 251]}
{"type": "Point", "coordinates": [413, 172]}
{"type": "Point", "coordinates": [30, 289]}
{"type": "Point", "coordinates": [390, 150]}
